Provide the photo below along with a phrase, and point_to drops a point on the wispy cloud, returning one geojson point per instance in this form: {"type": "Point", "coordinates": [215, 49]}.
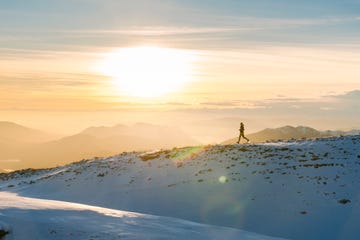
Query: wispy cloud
{"type": "Point", "coordinates": [159, 30]}
{"type": "Point", "coordinates": [220, 104]}
{"type": "Point", "coordinates": [219, 24]}
{"type": "Point", "coordinates": [218, 31]}
{"type": "Point", "coordinates": [232, 104]}
{"type": "Point", "coordinates": [16, 53]}
{"type": "Point", "coordinates": [44, 81]}
{"type": "Point", "coordinates": [155, 30]}
{"type": "Point", "coordinates": [336, 102]}
{"type": "Point", "coordinates": [352, 95]}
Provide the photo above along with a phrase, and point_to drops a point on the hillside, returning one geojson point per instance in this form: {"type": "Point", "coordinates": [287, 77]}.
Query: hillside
{"type": "Point", "coordinates": [289, 132]}
{"type": "Point", "coordinates": [303, 189]}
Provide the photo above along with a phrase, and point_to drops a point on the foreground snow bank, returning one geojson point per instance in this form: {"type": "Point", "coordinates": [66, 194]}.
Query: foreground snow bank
{"type": "Point", "coordinates": [32, 218]}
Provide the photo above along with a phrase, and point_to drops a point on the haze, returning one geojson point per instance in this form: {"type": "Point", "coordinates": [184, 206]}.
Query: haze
{"type": "Point", "coordinates": [232, 61]}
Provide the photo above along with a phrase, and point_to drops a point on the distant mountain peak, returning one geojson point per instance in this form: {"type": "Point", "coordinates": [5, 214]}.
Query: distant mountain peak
{"type": "Point", "coordinates": [289, 132]}
{"type": "Point", "coordinates": [11, 124]}
{"type": "Point", "coordinates": [13, 132]}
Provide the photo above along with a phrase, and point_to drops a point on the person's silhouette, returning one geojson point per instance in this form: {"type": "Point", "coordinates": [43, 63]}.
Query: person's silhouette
{"type": "Point", "coordinates": [242, 129]}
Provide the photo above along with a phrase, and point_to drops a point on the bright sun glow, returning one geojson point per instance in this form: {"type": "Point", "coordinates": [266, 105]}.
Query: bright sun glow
{"type": "Point", "coordinates": [148, 71]}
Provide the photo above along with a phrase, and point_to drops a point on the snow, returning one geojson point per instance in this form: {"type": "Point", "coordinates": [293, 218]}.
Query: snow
{"type": "Point", "coordinates": [32, 218]}
{"type": "Point", "coordinates": [303, 189]}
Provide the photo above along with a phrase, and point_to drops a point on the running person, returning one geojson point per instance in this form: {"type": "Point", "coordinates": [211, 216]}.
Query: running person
{"type": "Point", "coordinates": [242, 129]}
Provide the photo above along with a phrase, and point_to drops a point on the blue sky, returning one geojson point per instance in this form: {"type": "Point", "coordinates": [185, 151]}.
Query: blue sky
{"type": "Point", "coordinates": [265, 21]}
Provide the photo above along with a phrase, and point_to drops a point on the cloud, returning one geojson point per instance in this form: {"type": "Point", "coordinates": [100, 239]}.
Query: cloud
{"type": "Point", "coordinates": [16, 53]}
{"type": "Point", "coordinates": [161, 30]}
{"type": "Point", "coordinates": [216, 24]}
{"type": "Point", "coordinates": [129, 32]}
{"type": "Point", "coordinates": [285, 99]}
{"type": "Point", "coordinates": [352, 95]}
{"type": "Point", "coordinates": [176, 104]}
{"type": "Point", "coordinates": [48, 80]}
{"type": "Point", "coordinates": [232, 104]}
{"type": "Point", "coordinates": [326, 112]}
{"type": "Point", "coordinates": [337, 106]}
{"type": "Point", "coordinates": [295, 106]}
{"type": "Point", "coordinates": [332, 104]}
{"type": "Point", "coordinates": [326, 108]}
{"type": "Point", "coordinates": [222, 104]}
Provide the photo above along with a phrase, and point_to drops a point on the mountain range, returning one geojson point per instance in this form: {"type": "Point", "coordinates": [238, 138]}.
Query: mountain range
{"type": "Point", "coordinates": [290, 132]}
{"type": "Point", "coordinates": [23, 147]}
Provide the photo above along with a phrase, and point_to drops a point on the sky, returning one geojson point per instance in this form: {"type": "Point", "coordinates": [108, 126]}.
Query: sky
{"type": "Point", "coordinates": [270, 62]}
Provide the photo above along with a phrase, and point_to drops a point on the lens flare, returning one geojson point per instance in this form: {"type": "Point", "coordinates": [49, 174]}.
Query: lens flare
{"type": "Point", "coordinates": [184, 154]}
{"type": "Point", "coordinates": [222, 204]}
{"type": "Point", "coordinates": [223, 179]}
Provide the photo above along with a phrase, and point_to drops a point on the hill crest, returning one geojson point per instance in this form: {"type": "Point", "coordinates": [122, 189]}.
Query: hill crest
{"type": "Point", "coordinates": [243, 186]}
{"type": "Point", "coordinates": [290, 132]}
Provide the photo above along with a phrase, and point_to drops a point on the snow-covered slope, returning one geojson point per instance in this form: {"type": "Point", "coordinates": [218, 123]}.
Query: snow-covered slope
{"type": "Point", "coordinates": [305, 189]}
{"type": "Point", "coordinates": [25, 218]}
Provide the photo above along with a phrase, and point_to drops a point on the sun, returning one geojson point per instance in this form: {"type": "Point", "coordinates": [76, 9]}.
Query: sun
{"type": "Point", "coordinates": [148, 71]}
